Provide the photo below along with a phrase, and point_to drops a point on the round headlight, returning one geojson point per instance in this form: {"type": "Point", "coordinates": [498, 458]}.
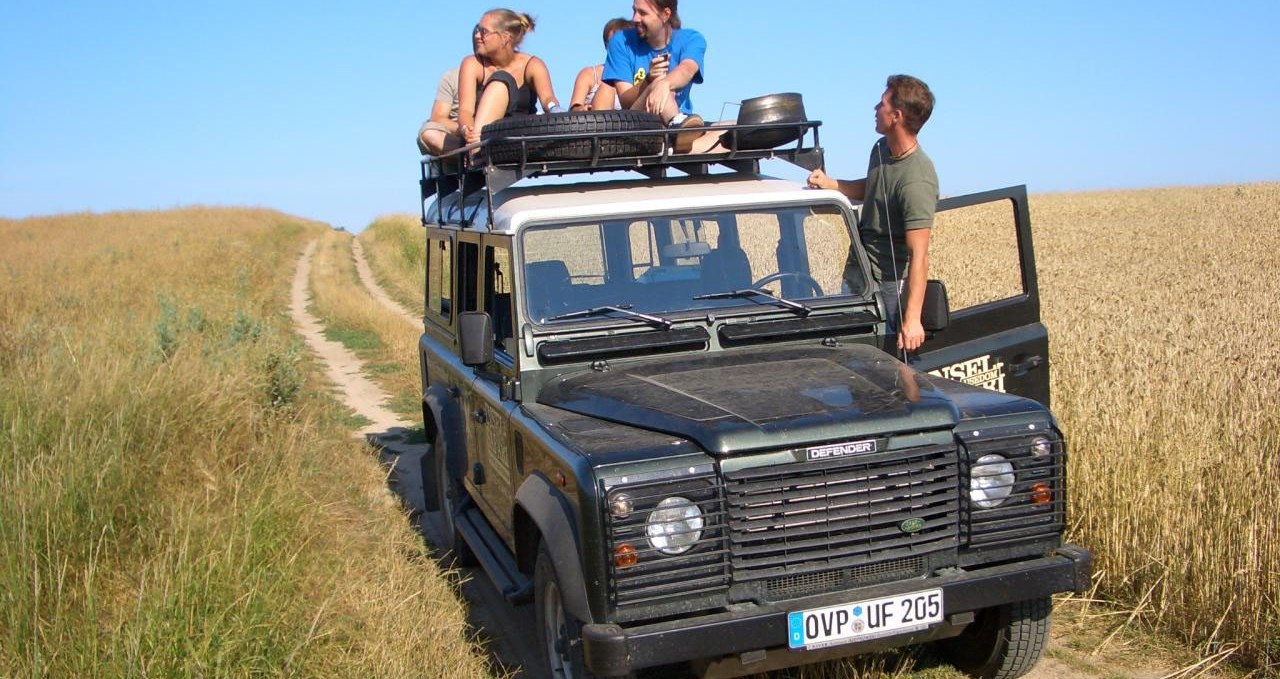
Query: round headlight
{"type": "Point", "coordinates": [674, 526]}
{"type": "Point", "coordinates": [990, 481]}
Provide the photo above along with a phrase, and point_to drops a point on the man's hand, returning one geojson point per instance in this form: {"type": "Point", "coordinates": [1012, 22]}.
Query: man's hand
{"type": "Point", "coordinates": [819, 180]}
{"type": "Point", "coordinates": [911, 336]}
{"type": "Point", "coordinates": [658, 66]}
{"type": "Point", "coordinates": [656, 95]}
{"type": "Point", "coordinates": [470, 134]}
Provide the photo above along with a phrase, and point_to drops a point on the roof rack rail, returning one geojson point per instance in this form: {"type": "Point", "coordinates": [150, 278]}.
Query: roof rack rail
{"type": "Point", "coordinates": [461, 170]}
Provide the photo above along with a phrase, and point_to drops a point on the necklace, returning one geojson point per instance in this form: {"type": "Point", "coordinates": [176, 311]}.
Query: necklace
{"type": "Point", "coordinates": [906, 153]}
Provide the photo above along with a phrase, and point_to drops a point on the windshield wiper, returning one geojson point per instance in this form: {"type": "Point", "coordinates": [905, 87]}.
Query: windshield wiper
{"type": "Point", "coordinates": [624, 309]}
{"type": "Point", "coordinates": [752, 293]}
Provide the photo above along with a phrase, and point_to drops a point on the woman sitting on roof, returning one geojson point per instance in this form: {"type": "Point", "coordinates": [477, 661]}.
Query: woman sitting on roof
{"type": "Point", "coordinates": [587, 93]}
{"type": "Point", "coordinates": [497, 81]}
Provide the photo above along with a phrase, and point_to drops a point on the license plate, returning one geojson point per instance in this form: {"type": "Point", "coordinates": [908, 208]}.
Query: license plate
{"type": "Point", "coordinates": [864, 619]}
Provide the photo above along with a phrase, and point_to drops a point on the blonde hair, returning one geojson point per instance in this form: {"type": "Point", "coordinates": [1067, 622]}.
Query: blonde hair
{"type": "Point", "coordinates": [515, 24]}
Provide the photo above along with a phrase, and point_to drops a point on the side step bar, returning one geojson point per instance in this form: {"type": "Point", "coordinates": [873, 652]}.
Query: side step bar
{"type": "Point", "coordinates": [492, 554]}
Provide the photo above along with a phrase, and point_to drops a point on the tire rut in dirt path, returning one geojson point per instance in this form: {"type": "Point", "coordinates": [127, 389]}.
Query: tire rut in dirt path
{"type": "Point", "coordinates": [344, 369]}
{"type": "Point", "coordinates": [504, 627]}
{"type": "Point", "coordinates": [375, 290]}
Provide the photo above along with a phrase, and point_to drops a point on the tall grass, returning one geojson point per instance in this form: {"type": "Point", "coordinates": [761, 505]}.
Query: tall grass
{"type": "Point", "coordinates": [177, 497]}
{"type": "Point", "coordinates": [1167, 379]}
{"type": "Point", "coordinates": [1162, 308]}
{"type": "Point", "coordinates": [396, 249]}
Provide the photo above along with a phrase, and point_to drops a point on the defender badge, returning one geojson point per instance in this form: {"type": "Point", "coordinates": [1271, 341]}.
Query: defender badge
{"type": "Point", "coordinates": [912, 525]}
{"type": "Point", "coordinates": [840, 450]}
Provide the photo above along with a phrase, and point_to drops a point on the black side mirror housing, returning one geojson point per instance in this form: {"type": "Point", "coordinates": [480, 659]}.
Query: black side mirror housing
{"type": "Point", "coordinates": [476, 331]}
{"type": "Point", "coordinates": [936, 314]}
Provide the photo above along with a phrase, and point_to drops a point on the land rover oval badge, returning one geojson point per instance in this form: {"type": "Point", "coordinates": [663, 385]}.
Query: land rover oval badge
{"type": "Point", "coordinates": [912, 525]}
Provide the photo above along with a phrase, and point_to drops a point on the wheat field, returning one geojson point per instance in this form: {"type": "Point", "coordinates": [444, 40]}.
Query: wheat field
{"type": "Point", "coordinates": [1162, 307]}
{"type": "Point", "coordinates": [179, 496]}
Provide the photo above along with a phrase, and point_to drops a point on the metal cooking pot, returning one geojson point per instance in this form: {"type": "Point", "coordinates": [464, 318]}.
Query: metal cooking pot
{"type": "Point", "coordinates": [787, 107]}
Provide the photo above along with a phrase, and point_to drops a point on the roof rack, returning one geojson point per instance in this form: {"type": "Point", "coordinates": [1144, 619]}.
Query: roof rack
{"type": "Point", "coordinates": [460, 170]}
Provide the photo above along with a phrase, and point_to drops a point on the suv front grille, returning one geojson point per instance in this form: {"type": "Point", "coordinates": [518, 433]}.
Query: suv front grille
{"type": "Point", "coordinates": [794, 586]}
{"type": "Point", "coordinates": [789, 520]}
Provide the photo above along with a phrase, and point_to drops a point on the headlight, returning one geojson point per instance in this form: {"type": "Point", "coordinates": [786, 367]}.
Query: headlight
{"type": "Point", "coordinates": [675, 526]}
{"type": "Point", "coordinates": [990, 481]}
{"type": "Point", "coordinates": [620, 505]}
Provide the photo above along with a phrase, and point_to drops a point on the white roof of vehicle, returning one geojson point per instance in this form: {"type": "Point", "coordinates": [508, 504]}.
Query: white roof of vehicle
{"type": "Point", "coordinates": [516, 206]}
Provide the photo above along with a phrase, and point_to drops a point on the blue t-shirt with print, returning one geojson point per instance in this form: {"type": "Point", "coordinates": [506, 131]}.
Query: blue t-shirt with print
{"type": "Point", "coordinates": [629, 56]}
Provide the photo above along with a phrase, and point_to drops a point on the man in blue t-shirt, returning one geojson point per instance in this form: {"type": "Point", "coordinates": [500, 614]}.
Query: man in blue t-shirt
{"type": "Point", "coordinates": [654, 65]}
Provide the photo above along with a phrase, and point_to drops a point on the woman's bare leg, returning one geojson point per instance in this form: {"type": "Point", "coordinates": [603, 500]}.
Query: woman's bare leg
{"type": "Point", "coordinates": [493, 103]}
{"type": "Point", "coordinates": [605, 98]}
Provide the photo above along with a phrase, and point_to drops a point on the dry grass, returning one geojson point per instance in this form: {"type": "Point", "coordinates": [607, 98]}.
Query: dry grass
{"type": "Point", "coordinates": [387, 344]}
{"type": "Point", "coordinates": [1162, 309]}
{"type": "Point", "coordinates": [395, 248]}
{"type": "Point", "coordinates": [178, 498]}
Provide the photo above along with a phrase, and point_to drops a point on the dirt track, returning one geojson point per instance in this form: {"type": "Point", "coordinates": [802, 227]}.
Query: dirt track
{"type": "Point", "coordinates": [508, 629]}
{"type": "Point", "coordinates": [505, 627]}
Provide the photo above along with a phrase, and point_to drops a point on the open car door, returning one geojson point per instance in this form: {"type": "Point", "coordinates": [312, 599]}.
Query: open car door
{"type": "Point", "coordinates": [981, 249]}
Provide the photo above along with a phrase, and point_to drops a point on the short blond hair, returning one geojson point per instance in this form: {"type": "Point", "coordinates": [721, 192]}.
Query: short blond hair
{"type": "Point", "coordinates": [911, 96]}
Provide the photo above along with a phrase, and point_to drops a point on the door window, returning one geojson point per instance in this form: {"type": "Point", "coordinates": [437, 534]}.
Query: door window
{"type": "Point", "coordinates": [974, 250]}
{"type": "Point", "coordinates": [439, 279]}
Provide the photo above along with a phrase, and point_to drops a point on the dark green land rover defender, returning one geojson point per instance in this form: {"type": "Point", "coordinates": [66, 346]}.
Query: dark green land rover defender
{"type": "Point", "coordinates": [664, 409]}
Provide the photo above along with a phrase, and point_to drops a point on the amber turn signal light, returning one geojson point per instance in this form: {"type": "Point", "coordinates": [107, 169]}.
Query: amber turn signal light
{"type": "Point", "coordinates": [1041, 494]}
{"type": "Point", "coordinates": [625, 556]}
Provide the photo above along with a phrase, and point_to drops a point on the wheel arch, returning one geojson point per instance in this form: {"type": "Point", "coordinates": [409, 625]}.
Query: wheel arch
{"type": "Point", "coordinates": [441, 421]}
{"type": "Point", "coordinates": [547, 515]}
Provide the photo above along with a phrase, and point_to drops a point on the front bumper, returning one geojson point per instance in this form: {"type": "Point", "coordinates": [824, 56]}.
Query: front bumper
{"type": "Point", "coordinates": [751, 635]}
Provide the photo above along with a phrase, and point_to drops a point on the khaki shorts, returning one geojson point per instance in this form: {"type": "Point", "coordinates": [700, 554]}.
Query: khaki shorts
{"type": "Point", "coordinates": [431, 126]}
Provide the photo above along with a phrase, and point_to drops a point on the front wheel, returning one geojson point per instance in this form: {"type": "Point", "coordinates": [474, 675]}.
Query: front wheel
{"type": "Point", "coordinates": [559, 633]}
{"type": "Point", "coordinates": [1004, 642]}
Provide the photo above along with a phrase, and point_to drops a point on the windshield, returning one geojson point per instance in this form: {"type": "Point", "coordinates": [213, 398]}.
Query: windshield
{"type": "Point", "coordinates": [663, 265]}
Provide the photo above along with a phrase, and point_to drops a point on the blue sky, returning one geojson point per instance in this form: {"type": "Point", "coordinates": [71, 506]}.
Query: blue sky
{"type": "Point", "coordinates": [312, 108]}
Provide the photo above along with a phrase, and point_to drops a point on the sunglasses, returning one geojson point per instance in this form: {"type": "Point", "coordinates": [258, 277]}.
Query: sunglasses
{"type": "Point", "coordinates": [482, 31]}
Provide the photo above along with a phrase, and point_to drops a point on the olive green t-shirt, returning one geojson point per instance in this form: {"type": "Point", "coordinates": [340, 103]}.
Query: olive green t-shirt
{"type": "Point", "coordinates": [901, 195]}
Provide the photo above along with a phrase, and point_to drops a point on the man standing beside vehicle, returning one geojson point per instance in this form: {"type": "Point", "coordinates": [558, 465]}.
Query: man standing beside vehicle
{"type": "Point", "coordinates": [654, 65]}
{"type": "Point", "coordinates": [900, 195]}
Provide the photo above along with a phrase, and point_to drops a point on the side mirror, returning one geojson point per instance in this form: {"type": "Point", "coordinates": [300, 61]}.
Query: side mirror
{"type": "Point", "coordinates": [936, 314]}
{"type": "Point", "coordinates": [476, 330]}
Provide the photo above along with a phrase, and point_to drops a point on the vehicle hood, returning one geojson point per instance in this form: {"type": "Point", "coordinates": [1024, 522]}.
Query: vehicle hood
{"type": "Point", "coordinates": [740, 401]}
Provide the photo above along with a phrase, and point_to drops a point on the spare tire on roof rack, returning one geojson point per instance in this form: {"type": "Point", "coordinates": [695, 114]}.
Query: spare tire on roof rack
{"type": "Point", "coordinates": [501, 149]}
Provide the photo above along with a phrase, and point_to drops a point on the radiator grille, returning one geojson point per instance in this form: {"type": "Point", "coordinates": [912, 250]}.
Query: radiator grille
{"type": "Point", "coordinates": [794, 586]}
{"type": "Point", "coordinates": [793, 519]}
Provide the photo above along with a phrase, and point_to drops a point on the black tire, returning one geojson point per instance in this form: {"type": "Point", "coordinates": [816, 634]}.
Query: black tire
{"type": "Point", "coordinates": [450, 495]}
{"type": "Point", "coordinates": [1004, 642]}
{"type": "Point", "coordinates": [576, 122]}
{"type": "Point", "coordinates": [559, 633]}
